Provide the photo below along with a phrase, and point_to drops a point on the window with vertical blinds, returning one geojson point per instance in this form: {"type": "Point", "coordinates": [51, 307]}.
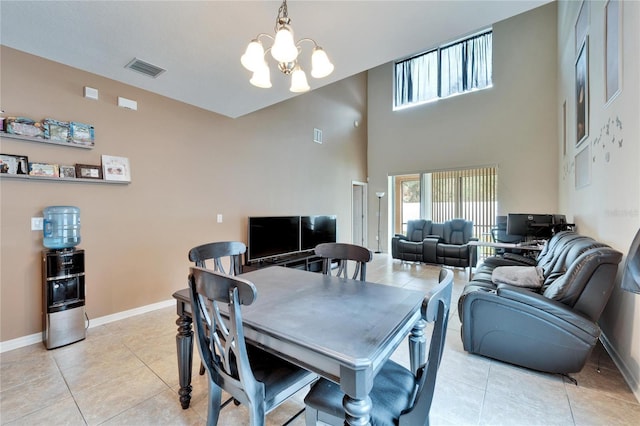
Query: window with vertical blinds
{"type": "Point", "coordinates": [470, 194]}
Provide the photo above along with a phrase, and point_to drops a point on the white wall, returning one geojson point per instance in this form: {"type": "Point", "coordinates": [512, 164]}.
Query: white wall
{"type": "Point", "coordinates": [608, 208]}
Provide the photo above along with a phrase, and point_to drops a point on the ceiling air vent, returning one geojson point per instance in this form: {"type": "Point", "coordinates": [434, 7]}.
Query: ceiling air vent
{"type": "Point", "coordinates": [144, 68]}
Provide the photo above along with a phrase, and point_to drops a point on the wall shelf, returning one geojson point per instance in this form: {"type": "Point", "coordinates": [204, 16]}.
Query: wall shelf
{"type": "Point", "coordinates": [65, 180]}
{"type": "Point", "coordinates": [41, 140]}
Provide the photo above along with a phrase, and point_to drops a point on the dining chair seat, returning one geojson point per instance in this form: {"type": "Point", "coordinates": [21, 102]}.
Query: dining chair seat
{"type": "Point", "coordinates": [393, 391]}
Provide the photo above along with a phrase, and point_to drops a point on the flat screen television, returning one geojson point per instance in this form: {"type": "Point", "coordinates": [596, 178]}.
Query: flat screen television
{"type": "Point", "coordinates": [272, 236]}
{"type": "Point", "coordinates": [530, 225]}
{"type": "Point", "coordinates": [317, 230]}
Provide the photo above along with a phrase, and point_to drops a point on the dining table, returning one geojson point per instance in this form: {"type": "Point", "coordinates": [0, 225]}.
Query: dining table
{"type": "Point", "coordinates": [342, 329]}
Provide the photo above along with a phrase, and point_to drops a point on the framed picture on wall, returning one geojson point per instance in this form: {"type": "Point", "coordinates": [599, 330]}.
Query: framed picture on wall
{"type": "Point", "coordinates": [582, 25]}
{"type": "Point", "coordinates": [582, 93]}
{"type": "Point", "coordinates": [613, 49]}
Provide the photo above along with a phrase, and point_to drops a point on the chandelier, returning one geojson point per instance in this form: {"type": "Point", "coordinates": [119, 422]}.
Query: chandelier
{"type": "Point", "coordinates": [285, 52]}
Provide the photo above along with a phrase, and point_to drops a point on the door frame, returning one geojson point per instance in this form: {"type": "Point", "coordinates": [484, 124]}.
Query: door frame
{"type": "Point", "coordinates": [359, 204]}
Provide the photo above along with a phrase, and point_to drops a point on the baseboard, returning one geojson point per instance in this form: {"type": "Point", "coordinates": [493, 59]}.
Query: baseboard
{"type": "Point", "coordinates": [95, 322]}
{"type": "Point", "coordinates": [626, 373]}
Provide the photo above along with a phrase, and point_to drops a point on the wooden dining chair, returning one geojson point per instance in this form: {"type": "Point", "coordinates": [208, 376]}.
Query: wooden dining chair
{"type": "Point", "coordinates": [253, 377]}
{"type": "Point", "coordinates": [398, 397]}
{"type": "Point", "coordinates": [343, 253]}
{"type": "Point", "coordinates": [218, 252]}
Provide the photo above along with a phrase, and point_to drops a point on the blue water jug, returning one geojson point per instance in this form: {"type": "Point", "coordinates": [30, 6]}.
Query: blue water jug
{"type": "Point", "coordinates": [61, 227]}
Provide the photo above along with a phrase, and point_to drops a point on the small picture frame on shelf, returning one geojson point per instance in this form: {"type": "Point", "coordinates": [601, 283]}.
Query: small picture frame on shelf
{"type": "Point", "coordinates": [56, 130]}
{"type": "Point", "coordinates": [68, 172]}
{"type": "Point", "coordinates": [81, 134]}
{"type": "Point", "coordinates": [116, 168]}
{"type": "Point", "coordinates": [44, 169]}
{"type": "Point", "coordinates": [88, 171]}
{"type": "Point", "coordinates": [14, 164]}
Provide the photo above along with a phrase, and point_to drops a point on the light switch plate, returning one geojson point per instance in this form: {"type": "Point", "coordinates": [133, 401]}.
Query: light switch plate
{"type": "Point", "coordinates": [37, 223]}
{"type": "Point", "coordinates": [219, 218]}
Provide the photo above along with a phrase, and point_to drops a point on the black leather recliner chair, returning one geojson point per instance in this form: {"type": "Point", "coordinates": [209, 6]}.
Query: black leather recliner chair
{"type": "Point", "coordinates": [409, 247]}
{"type": "Point", "coordinates": [553, 329]}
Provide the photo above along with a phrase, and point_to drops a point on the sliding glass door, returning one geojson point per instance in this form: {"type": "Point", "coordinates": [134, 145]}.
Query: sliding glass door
{"type": "Point", "coordinates": [444, 195]}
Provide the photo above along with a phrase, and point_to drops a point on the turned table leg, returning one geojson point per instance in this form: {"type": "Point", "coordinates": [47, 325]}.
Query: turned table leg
{"type": "Point", "coordinates": [184, 344]}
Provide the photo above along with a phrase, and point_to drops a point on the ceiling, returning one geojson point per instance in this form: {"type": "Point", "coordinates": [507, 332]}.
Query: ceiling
{"type": "Point", "coordinates": [199, 43]}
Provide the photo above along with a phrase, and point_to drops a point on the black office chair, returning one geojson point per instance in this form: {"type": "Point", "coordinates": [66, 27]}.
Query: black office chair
{"type": "Point", "coordinates": [344, 253]}
{"type": "Point", "coordinates": [398, 397]}
{"type": "Point", "coordinates": [217, 252]}
{"type": "Point", "coordinates": [499, 235]}
{"type": "Point", "coordinates": [253, 377]}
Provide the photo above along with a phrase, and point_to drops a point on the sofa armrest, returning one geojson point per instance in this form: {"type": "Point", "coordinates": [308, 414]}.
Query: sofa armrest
{"type": "Point", "coordinates": [542, 303]}
{"type": "Point", "coordinates": [429, 246]}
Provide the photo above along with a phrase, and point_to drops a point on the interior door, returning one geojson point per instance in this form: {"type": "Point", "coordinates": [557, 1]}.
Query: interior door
{"type": "Point", "coordinates": [358, 209]}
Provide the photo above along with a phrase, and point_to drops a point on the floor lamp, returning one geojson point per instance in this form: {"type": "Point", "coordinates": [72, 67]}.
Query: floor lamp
{"type": "Point", "coordinates": [379, 195]}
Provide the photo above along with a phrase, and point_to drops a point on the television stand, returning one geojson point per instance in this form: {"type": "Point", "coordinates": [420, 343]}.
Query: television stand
{"type": "Point", "coordinates": [307, 261]}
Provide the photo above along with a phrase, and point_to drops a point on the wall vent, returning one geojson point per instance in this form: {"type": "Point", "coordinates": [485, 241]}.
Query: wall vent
{"type": "Point", "coordinates": [144, 68]}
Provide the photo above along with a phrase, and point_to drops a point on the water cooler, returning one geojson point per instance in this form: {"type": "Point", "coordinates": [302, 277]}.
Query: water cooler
{"type": "Point", "coordinates": [63, 295]}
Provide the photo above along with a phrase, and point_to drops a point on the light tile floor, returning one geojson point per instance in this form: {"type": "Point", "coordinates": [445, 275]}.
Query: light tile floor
{"type": "Point", "coordinates": [124, 373]}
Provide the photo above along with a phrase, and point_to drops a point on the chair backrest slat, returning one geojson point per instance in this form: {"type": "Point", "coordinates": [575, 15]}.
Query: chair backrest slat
{"type": "Point", "coordinates": [222, 347]}
{"type": "Point", "coordinates": [435, 309]}
{"type": "Point", "coordinates": [217, 251]}
{"type": "Point", "coordinates": [344, 253]}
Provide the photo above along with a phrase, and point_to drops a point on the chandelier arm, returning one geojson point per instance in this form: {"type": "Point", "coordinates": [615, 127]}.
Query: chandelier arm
{"type": "Point", "coordinates": [270, 37]}
{"type": "Point", "coordinates": [307, 39]}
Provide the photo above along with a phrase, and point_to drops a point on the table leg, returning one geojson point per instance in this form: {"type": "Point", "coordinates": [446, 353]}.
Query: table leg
{"type": "Point", "coordinates": [356, 411]}
{"type": "Point", "coordinates": [184, 344]}
{"type": "Point", "coordinates": [417, 345]}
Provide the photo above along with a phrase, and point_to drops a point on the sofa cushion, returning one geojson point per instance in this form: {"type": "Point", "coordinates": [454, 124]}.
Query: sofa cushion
{"type": "Point", "coordinates": [418, 229]}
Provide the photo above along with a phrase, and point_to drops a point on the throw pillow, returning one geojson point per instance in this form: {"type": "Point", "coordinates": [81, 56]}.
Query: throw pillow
{"type": "Point", "coordinates": [520, 276]}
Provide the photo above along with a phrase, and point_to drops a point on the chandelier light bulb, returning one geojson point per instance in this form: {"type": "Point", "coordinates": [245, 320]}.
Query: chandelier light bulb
{"type": "Point", "coordinates": [284, 49]}
{"type": "Point", "coordinates": [320, 64]}
{"type": "Point", "coordinates": [299, 81]}
{"type": "Point", "coordinates": [261, 76]}
{"type": "Point", "coordinates": [254, 56]}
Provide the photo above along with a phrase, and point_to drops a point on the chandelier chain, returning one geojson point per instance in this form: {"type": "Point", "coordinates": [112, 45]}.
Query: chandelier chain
{"type": "Point", "coordinates": [283, 14]}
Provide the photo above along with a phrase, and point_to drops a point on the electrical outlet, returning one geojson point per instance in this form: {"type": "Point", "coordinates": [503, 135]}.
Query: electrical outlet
{"type": "Point", "coordinates": [37, 223]}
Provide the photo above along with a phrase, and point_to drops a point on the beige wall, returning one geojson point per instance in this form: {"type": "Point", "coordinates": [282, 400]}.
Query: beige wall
{"type": "Point", "coordinates": [187, 166]}
{"type": "Point", "coordinates": [511, 125]}
{"type": "Point", "coordinates": [608, 208]}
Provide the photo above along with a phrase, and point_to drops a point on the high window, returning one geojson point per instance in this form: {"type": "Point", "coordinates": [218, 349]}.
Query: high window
{"type": "Point", "coordinates": [455, 68]}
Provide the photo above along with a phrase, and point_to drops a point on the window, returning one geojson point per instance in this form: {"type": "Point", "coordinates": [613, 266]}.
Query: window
{"type": "Point", "coordinates": [448, 70]}
{"type": "Point", "coordinates": [407, 191]}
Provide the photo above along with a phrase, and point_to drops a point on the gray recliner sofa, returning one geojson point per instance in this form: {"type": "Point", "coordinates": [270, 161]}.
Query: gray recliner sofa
{"type": "Point", "coordinates": [439, 243]}
{"type": "Point", "coordinates": [553, 328]}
